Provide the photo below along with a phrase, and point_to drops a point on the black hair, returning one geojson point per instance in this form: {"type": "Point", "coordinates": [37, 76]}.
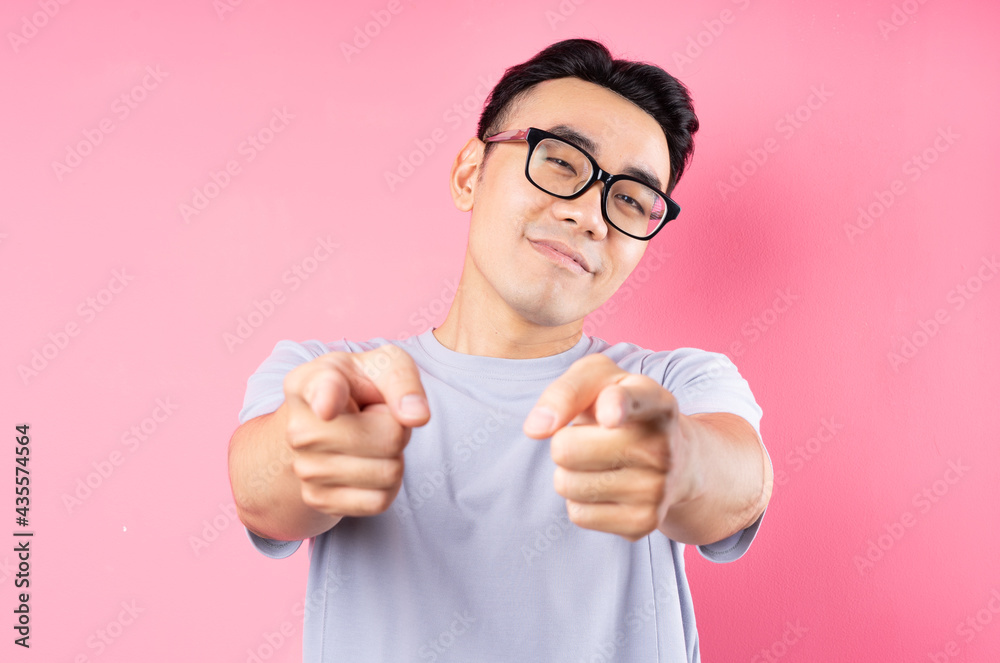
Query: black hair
{"type": "Point", "coordinates": [646, 85]}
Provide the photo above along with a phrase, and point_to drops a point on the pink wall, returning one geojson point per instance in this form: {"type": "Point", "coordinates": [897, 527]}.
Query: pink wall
{"type": "Point", "coordinates": [867, 341]}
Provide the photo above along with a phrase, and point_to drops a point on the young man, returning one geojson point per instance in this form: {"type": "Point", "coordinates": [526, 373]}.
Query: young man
{"type": "Point", "coordinates": [504, 536]}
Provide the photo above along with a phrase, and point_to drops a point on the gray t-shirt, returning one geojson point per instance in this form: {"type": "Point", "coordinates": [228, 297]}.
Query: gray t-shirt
{"type": "Point", "coordinates": [477, 560]}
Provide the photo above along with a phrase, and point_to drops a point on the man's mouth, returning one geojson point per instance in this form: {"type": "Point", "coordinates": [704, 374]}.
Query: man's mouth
{"type": "Point", "coordinates": [561, 254]}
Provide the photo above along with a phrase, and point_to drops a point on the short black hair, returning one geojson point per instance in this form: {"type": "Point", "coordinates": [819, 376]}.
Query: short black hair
{"type": "Point", "coordinates": [646, 85]}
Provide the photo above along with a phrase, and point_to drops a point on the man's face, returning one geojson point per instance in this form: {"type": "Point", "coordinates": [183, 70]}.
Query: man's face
{"type": "Point", "coordinates": [510, 215]}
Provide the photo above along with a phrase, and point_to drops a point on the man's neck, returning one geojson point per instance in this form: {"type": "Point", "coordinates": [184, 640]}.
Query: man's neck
{"type": "Point", "coordinates": [481, 322]}
{"type": "Point", "coordinates": [492, 342]}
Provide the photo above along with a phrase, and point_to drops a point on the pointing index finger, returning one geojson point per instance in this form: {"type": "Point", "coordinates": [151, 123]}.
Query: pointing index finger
{"type": "Point", "coordinates": [635, 397]}
{"type": "Point", "coordinates": [572, 393]}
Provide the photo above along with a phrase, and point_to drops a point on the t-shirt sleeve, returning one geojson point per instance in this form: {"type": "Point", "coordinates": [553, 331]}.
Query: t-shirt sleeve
{"type": "Point", "coordinates": [703, 381]}
{"type": "Point", "coordinates": [265, 394]}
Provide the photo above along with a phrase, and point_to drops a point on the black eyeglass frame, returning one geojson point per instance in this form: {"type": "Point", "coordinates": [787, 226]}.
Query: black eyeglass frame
{"type": "Point", "coordinates": [533, 136]}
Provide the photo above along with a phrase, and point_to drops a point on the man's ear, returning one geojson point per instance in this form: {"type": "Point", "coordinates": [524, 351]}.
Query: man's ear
{"type": "Point", "coordinates": [464, 172]}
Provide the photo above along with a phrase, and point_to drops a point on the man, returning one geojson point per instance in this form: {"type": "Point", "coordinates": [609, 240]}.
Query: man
{"type": "Point", "coordinates": [557, 536]}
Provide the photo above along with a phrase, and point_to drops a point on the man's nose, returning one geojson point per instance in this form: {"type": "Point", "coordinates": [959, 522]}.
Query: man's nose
{"type": "Point", "coordinates": [585, 210]}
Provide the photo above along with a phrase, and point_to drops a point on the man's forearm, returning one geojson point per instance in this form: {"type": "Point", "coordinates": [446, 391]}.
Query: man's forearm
{"type": "Point", "coordinates": [267, 493]}
{"type": "Point", "coordinates": [732, 481]}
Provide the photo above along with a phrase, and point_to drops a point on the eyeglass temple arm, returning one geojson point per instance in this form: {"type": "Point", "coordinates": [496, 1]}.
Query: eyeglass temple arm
{"type": "Point", "coordinates": [512, 134]}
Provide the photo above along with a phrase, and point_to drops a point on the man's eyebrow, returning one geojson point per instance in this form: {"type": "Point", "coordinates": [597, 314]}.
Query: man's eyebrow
{"type": "Point", "coordinates": [574, 136]}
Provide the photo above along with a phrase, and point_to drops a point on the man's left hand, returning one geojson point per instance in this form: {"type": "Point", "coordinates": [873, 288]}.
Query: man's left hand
{"type": "Point", "coordinates": [626, 459]}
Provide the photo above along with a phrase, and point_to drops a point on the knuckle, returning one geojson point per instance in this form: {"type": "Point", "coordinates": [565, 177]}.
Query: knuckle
{"type": "Point", "coordinates": [648, 490]}
{"type": "Point", "coordinates": [577, 513]}
{"type": "Point", "coordinates": [299, 432]}
{"type": "Point", "coordinates": [560, 481]}
{"type": "Point", "coordinates": [661, 457]}
{"type": "Point", "coordinates": [379, 502]}
{"type": "Point", "coordinates": [564, 391]}
{"type": "Point", "coordinates": [391, 473]}
{"type": "Point", "coordinates": [659, 487]}
{"type": "Point", "coordinates": [559, 451]}
{"type": "Point", "coordinates": [394, 440]}
{"type": "Point", "coordinates": [302, 468]}
{"type": "Point", "coordinates": [294, 378]}
{"type": "Point", "coordinates": [313, 496]}
{"type": "Point", "coordinates": [644, 520]}
{"type": "Point", "coordinates": [295, 433]}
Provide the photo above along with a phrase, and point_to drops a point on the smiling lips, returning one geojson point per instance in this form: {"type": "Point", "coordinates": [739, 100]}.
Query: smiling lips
{"type": "Point", "coordinates": [561, 254]}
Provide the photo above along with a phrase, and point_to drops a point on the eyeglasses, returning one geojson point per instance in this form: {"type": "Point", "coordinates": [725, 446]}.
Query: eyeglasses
{"type": "Point", "coordinates": [561, 169]}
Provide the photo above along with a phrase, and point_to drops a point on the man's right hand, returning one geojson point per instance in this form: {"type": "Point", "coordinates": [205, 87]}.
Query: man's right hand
{"type": "Point", "coordinates": [347, 429]}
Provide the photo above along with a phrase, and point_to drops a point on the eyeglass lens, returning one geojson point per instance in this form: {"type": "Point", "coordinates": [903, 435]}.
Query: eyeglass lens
{"type": "Point", "coordinates": [561, 169]}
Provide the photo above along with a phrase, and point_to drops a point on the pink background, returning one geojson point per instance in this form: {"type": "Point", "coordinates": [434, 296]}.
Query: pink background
{"type": "Point", "coordinates": [874, 371]}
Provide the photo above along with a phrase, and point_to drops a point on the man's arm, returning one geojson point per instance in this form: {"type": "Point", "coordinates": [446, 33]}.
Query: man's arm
{"type": "Point", "coordinates": [267, 492]}
{"type": "Point", "coordinates": [732, 479]}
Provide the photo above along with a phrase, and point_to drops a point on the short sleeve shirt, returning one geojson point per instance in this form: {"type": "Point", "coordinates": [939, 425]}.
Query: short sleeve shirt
{"type": "Point", "coordinates": [476, 559]}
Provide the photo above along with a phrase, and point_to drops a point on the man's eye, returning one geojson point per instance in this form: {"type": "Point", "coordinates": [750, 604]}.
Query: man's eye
{"type": "Point", "coordinates": [632, 202]}
{"type": "Point", "coordinates": [563, 164]}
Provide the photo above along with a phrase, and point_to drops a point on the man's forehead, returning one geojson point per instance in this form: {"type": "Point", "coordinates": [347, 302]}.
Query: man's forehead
{"type": "Point", "coordinates": [550, 105]}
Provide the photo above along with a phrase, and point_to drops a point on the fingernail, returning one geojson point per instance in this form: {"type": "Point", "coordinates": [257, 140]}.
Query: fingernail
{"type": "Point", "coordinates": [540, 420]}
{"type": "Point", "coordinates": [413, 405]}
